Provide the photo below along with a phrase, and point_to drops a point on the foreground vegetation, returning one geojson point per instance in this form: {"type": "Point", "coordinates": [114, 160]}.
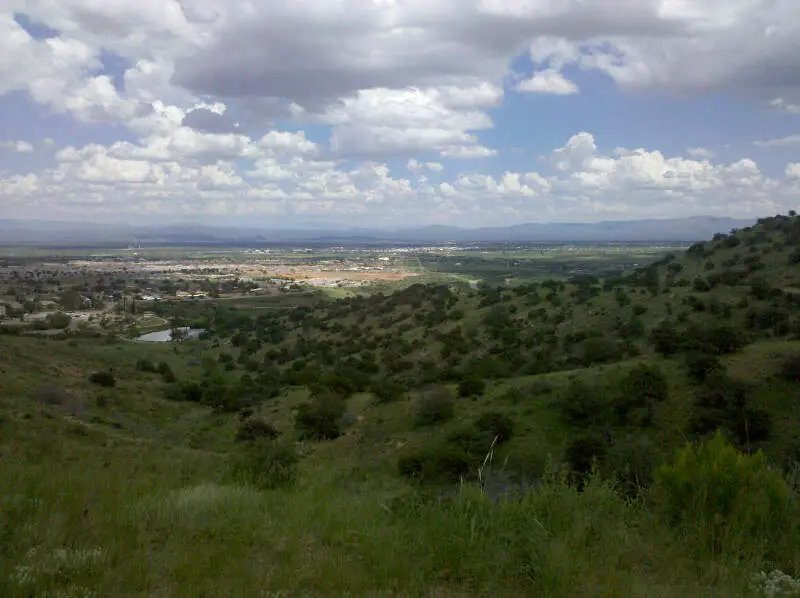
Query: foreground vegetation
{"type": "Point", "coordinates": [588, 437]}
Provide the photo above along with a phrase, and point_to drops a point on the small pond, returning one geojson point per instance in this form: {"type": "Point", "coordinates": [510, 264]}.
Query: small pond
{"type": "Point", "coordinates": [163, 336]}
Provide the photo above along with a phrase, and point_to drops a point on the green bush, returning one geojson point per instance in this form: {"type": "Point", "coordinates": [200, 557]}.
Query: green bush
{"type": "Point", "coordinates": [723, 499]}
{"type": "Point", "coordinates": [103, 378]}
{"type": "Point", "coordinates": [581, 405]}
{"type": "Point", "coordinates": [584, 451]}
{"type": "Point", "coordinates": [699, 366]}
{"type": "Point", "coordinates": [498, 425]}
{"type": "Point", "coordinates": [265, 464]}
{"type": "Point", "coordinates": [642, 387]}
{"type": "Point", "coordinates": [443, 463]}
{"type": "Point", "coordinates": [187, 391]}
{"type": "Point", "coordinates": [145, 365]}
{"type": "Point", "coordinates": [434, 406]}
{"type": "Point", "coordinates": [790, 368]}
{"type": "Point", "coordinates": [665, 339]}
{"type": "Point", "coordinates": [631, 460]}
{"type": "Point", "coordinates": [255, 429]}
{"type": "Point", "coordinates": [166, 372]}
{"type": "Point", "coordinates": [471, 386]}
{"type": "Point", "coordinates": [319, 419]}
{"type": "Point", "coordinates": [598, 350]}
{"type": "Point", "coordinates": [387, 391]}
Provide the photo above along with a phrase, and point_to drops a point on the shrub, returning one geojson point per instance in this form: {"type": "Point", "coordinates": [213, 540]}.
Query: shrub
{"type": "Point", "coordinates": [187, 391]}
{"type": "Point", "coordinates": [166, 372]}
{"type": "Point", "coordinates": [435, 406]}
{"type": "Point", "coordinates": [52, 395]}
{"type": "Point", "coordinates": [103, 378]}
{"type": "Point", "coordinates": [265, 464]}
{"type": "Point", "coordinates": [642, 387]}
{"type": "Point", "coordinates": [665, 338]}
{"type": "Point", "coordinates": [755, 425]}
{"type": "Point", "coordinates": [472, 441]}
{"type": "Point", "coordinates": [724, 499]}
{"type": "Point", "coordinates": [699, 366]}
{"type": "Point", "coordinates": [790, 368]}
{"type": "Point", "coordinates": [598, 350]}
{"type": "Point", "coordinates": [471, 386]}
{"type": "Point", "coordinates": [319, 418]}
{"type": "Point", "coordinates": [145, 365]}
{"type": "Point", "coordinates": [498, 425]}
{"type": "Point", "coordinates": [444, 463]}
{"type": "Point", "coordinates": [387, 391]}
{"type": "Point", "coordinates": [631, 460]}
{"type": "Point", "coordinates": [255, 429]}
{"type": "Point", "coordinates": [585, 450]}
{"type": "Point", "coordinates": [581, 405]}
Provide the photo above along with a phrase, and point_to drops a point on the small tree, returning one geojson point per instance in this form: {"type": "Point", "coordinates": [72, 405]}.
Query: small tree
{"type": "Point", "coordinates": [725, 499]}
{"type": "Point", "coordinates": [581, 405]}
{"type": "Point", "coordinates": [319, 418]}
{"type": "Point", "coordinates": [583, 451]}
{"type": "Point", "coordinates": [434, 406]}
{"type": "Point", "coordinates": [255, 429]}
{"type": "Point", "coordinates": [103, 378]}
{"type": "Point", "coordinates": [471, 386]}
{"type": "Point", "coordinates": [665, 338]}
{"type": "Point", "coordinates": [498, 425]}
{"type": "Point", "coordinates": [699, 366]}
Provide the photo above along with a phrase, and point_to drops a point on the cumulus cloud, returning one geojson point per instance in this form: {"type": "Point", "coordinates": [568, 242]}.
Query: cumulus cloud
{"type": "Point", "coordinates": [468, 151]}
{"type": "Point", "coordinates": [549, 81]}
{"type": "Point", "coordinates": [19, 147]}
{"type": "Point", "coordinates": [198, 86]}
{"type": "Point", "coordinates": [701, 153]}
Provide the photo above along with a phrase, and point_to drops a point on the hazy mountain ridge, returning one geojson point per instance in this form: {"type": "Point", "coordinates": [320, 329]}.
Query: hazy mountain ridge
{"type": "Point", "coordinates": [40, 232]}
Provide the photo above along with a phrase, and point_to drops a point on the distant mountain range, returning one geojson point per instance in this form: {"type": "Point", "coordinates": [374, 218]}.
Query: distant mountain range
{"type": "Point", "coordinates": [46, 233]}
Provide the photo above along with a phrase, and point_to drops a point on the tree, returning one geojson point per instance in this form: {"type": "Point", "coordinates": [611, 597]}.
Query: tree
{"type": "Point", "coordinates": [699, 366]}
{"type": "Point", "coordinates": [582, 405]}
{"type": "Point", "coordinates": [319, 418]}
{"type": "Point", "coordinates": [665, 338]}
{"type": "Point", "coordinates": [498, 425]}
{"type": "Point", "coordinates": [103, 378]}
{"type": "Point", "coordinates": [59, 320]}
{"type": "Point", "coordinates": [583, 451]}
{"type": "Point", "coordinates": [471, 386]}
{"type": "Point", "coordinates": [255, 429]}
{"type": "Point", "coordinates": [434, 406]}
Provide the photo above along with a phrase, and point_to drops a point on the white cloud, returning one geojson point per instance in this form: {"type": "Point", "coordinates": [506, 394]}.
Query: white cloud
{"type": "Point", "coordinates": [780, 142]}
{"type": "Point", "coordinates": [783, 106]}
{"type": "Point", "coordinates": [587, 184]}
{"type": "Point", "coordinates": [468, 151]}
{"type": "Point", "coordinates": [197, 86]}
{"type": "Point", "coordinates": [19, 147]}
{"type": "Point", "coordinates": [701, 153]}
{"type": "Point", "coordinates": [549, 81]}
{"type": "Point", "coordinates": [383, 121]}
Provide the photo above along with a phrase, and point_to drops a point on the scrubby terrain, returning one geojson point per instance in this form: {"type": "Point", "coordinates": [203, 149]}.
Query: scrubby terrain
{"type": "Point", "coordinates": [634, 436]}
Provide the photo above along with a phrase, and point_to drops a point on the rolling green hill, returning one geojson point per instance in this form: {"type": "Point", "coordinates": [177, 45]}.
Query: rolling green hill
{"type": "Point", "coordinates": [438, 441]}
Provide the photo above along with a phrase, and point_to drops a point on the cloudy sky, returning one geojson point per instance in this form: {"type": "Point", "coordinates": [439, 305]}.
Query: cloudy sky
{"type": "Point", "coordinates": [395, 112]}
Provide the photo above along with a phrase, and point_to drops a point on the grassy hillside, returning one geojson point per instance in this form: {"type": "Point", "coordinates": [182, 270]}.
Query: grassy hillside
{"type": "Point", "coordinates": [439, 441]}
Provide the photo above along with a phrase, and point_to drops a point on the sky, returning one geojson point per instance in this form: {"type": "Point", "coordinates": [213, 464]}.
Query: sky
{"type": "Point", "coordinates": [321, 113]}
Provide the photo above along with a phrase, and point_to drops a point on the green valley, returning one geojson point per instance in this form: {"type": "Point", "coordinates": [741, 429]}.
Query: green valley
{"type": "Point", "coordinates": [620, 430]}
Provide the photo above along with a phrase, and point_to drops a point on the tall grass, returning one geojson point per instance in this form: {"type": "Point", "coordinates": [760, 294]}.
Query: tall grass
{"type": "Point", "coordinates": [166, 524]}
